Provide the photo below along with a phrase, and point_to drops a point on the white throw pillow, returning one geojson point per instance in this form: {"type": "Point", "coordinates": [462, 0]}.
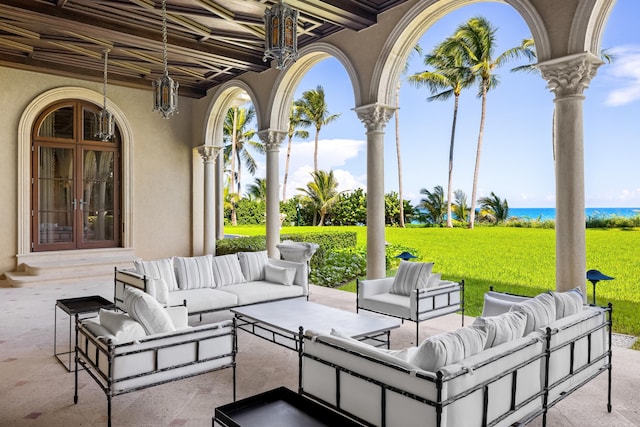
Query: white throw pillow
{"type": "Point", "coordinates": [194, 272]}
{"type": "Point", "coordinates": [503, 328]}
{"type": "Point", "coordinates": [159, 269]}
{"type": "Point", "coordinates": [252, 265]}
{"type": "Point", "coordinates": [144, 309]}
{"type": "Point", "coordinates": [540, 311]}
{"type": "Point", "coordinates": [158, 289]}
{"type": "Point", "coordinates": [473, 340]}
{"type": "Point", "coordinates": [226, 270]}
{"type": "Point", "coordinates": [568, 303]}
{"type": "Point", "coordinates": [279, 275]}
{"type": "Point", "coordinates": [434, 280]}
{"type": "Point", "coordinates": [410, 276]}
{"type": "Point", "coordinates": [121, 326]}
{"type": "Point", "coordinates": [438, 351]}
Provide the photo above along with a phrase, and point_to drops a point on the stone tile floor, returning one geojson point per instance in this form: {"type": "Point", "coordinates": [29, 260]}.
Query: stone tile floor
{"type": "Point", "coordinates": [35, 389]}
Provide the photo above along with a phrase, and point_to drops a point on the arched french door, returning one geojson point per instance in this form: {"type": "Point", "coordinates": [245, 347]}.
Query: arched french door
{"type": "Point", "coordinates": [75, 180]}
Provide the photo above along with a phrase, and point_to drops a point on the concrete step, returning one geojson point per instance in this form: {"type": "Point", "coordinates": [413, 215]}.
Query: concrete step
{"type": "Point", "coordinates": [69, 266]}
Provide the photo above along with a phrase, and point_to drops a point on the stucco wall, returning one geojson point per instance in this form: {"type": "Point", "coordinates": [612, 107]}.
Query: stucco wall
{"type": "Point", "coordinates": [162, 156]}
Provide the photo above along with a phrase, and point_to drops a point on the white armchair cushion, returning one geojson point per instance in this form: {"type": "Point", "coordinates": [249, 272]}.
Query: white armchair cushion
{"type": "Point", "coordinates": [121, 326]}
{"type": "Point", "coordinates": [158, 289]}
{"type": "Point", "coordinates": [226, 270]}
{"type": "Point", "coordinates": [252, 265]}
{"type": "Point", "coordinates": [410, 276]}
{"type": "Point", "coordinates": [161, 269]}
{"type": "Point", "coordinates": [194, 272]}
{"type": "Point", "coordinates": [540, 311]}
{"type": "Point", "coordinates": [503, 328]}
{"type": "Point", "coordinates": [568, 303]}
{"type": "Point", "coordinates": [279, 275]}
{"type": "Point", "coordinates": [144, 309]}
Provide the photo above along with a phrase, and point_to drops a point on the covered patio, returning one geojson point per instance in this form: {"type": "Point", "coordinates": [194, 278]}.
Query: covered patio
{"type": "Point", "coordinates": [36, 389]}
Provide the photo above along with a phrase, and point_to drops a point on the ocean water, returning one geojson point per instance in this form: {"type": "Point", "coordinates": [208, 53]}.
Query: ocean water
{"type": "Point", "coordinates": [550, 213]}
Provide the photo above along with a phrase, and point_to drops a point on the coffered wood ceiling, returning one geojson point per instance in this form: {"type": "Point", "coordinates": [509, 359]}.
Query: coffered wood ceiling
{"type": "Point", "coordinates": [210, 41]}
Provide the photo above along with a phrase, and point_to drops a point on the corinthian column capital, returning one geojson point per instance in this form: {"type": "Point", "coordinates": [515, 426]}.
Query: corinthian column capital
{"type": "Point", "coordinates": [374, 116]}
{"type": "Point", "coordinates": [208, 152]}
{"type": "Point", "coordinates": [569, 75]}
{"type": "Point", "coordinates": [271, 138]}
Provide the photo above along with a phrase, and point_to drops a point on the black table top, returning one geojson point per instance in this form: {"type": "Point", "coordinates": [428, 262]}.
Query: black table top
{"type": "Point", "coordinates": [84, 304]}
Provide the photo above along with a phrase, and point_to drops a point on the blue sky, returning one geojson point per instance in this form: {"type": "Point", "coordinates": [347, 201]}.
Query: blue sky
{"type": "Point", "coordinates": [517, 158]}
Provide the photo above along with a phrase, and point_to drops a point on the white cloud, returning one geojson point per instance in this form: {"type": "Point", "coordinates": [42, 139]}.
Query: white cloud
{"type": "Point", "coordinates": [626, 70]}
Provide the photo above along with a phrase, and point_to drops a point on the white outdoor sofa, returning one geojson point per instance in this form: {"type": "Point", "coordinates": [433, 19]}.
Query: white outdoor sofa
{"type": "Point", "coordinates": [466, 384]}
{"type": "Point", "coordinates": [424, 296]}
{"type": "Point", "coordinates": [125, 353]}
{"type": "Point", "coordinates": [214, 283]}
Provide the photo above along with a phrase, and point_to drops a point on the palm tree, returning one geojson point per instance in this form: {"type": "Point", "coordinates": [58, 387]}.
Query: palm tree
{"type": "Point", "coordinates": [448, 78]}
{"type": "Point", "coordinates": [258, 190]}
{"type": "Point", "coordinates": [322, 192]}
{"type": "Point", "coordinates": [416, 49]}
{"type": "Point", "coordinates": [313, 108]}
{"type": "Point", "coordinates": [434, 204]}
{"type": "Point", "coordinates": [475, 42]}
{"type": "Point", "coordinates": [295, 121]}
{"type": "Point", "coordinates": [238, 135]}
{"type": "Point", "coordinates": [460, 207]}
{"type": "Point", "coordinates": [496, 209]}
{"type": "Point", "coordinates": [231, 200]}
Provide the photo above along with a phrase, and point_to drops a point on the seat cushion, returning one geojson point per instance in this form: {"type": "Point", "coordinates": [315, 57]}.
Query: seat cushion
{"type": "Point", "coordinates": [205, 299]}
{"type": "Point", "coordinates": [226, 270]}
{"type": "Point", "coordinates": [194, 272]}
{"type": "Point", "coordinates": [388, 303]}
{"type": "Point", "coordinates": [410, 276]}
{"type": "Point", "coordinates": [253, 292]}
{"type": "Point", "coordinates": [252, 265]}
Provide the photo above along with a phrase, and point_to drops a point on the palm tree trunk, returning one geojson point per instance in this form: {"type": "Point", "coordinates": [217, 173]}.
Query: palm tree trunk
{"type": "Point", "coordinates": [315, 152]}
{"type": "Point", "coordinates": [450, 183]}
{"type": "Point", "coordinates": [397, 114]}
{"type": "Point", "coordinates": [234, 134]}
{"type": "Point", "coordinates": [286, 171]}
{"type": "Point", "coordinates": [472, 214]}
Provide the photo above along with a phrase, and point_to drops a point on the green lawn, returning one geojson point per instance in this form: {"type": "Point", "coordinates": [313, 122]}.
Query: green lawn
{"type": "Point", "coordinates": [517, 260]}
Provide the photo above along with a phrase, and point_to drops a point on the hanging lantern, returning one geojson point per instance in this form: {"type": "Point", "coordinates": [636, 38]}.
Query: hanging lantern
{"type": "Point", "coordinates": [281, 37]}
{"type": "Point", "coordinates": [165, 90]}
{"type": "Point", "coordinates": [105, 126]}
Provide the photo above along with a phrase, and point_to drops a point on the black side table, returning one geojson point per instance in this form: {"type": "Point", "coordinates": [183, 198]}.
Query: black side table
{"type": "Point", "coordinates": [81, 306]}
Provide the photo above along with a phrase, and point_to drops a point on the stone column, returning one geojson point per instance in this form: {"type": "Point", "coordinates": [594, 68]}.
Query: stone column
{"type": "Point", "coordinates": [567, 78]}
{"type": "Point", "coordinates": [209, 153]}
{"type": "Point", "coordinates": [272, 140]}
{"type": "Point", "coordinates": [219, 203]}
{"type": "Point", "coordinates": [375, 118]}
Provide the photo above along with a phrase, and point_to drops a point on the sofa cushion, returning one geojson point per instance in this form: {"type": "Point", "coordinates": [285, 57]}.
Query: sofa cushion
{"type": "Point", "coordinates": [194, 272]}
{"type": "Point", "coordinates": [279, 275]}
{"type": "Point", "coordinates": [392, 304]}
{"type": "Point", "coordinates": [434, 280]}
{"type": "Point", "coordinates": [121, 325]}
{"type": "Point", "coordinates": [410, 276]}
{"type": "Point", "coordinates": [503, 328]}
{"type": "Point", "coordinates": [254, 292]}
{"type": "Point", "coordinates": [448, 348]}
{"type": "Point", "coordinates": [226, 270]}
{"type": "Point", "coordinates": [568, 303]}
{"type": "Point", "coordinates": [540, 311]}
{"type": "Point", "coordinates": [161, 269]}
{"type": "Point", "coordinates": [252, 264]}
{"type": "Point", "coordinates": [144, 309]}
{"type": "Point", "coordinates": [203, 299]}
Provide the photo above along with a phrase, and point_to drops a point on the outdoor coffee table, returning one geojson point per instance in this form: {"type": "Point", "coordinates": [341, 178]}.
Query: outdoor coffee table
{"type": "Point", "coordinates": [281, 321]}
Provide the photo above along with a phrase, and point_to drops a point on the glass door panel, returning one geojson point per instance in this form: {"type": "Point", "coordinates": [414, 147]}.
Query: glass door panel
{"type": "Point", "coordinates": [56, 201]}
{"type": "Point", "coordinates": [98, 201]}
